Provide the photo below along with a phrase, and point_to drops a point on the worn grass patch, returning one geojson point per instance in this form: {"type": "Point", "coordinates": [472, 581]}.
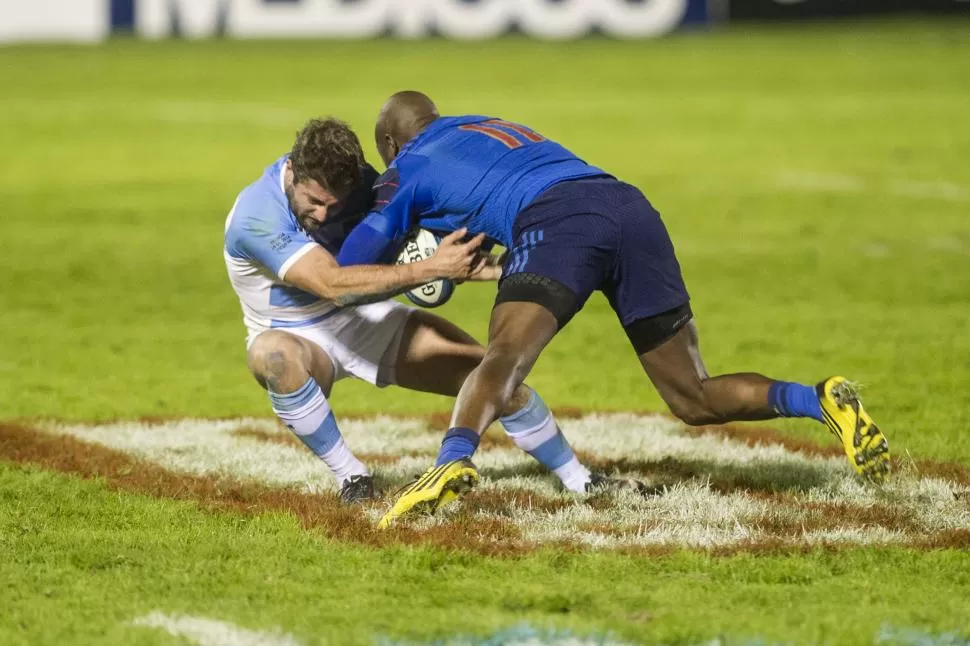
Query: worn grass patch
{"type": "Point", "coordinates": [718, 489]}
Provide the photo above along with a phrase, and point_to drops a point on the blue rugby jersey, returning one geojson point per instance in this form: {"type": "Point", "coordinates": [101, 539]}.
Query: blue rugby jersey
{"type": "Point", "coordinates": [471, 171]}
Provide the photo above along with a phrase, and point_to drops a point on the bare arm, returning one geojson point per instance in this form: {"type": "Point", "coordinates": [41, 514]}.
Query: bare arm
{"type": "Point", "coordinates": [319, 273]}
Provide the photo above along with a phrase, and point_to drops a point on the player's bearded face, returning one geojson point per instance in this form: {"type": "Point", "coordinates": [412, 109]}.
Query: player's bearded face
{"type": "Point", "coordinates": [312, 204]}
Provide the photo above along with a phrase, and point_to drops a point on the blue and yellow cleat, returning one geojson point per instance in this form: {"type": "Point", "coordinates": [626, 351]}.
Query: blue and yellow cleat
{"type": "Point", "coordinates": [864, 444]}
{"type": "Point", "coordinates": [437, 487]}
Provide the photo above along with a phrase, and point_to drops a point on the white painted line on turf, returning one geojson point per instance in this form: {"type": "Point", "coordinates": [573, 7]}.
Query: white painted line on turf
{"type": "Point", "coordinates": [181, 112]}
{"type": "Point", "coordinates": [822, 182]}
{"type": "Point", "coordinates": [939, 190]}
{"type": "Point", "coordinates": [841, 183]}
{"type": "Point", "coordinates": [875, 250]}
{"type": "Point", "coordinates": [211, 632]}
{"type": "Point", "coordinates": [520, 635]}
{"type": "Point", "coordinates": [200, 112]}
{"type": "Point", "coordinates": [208, 447]}
{"type": "Point", "coordinates": [690, 513]}
{"type": "Point", "coordinates": [948, 243]}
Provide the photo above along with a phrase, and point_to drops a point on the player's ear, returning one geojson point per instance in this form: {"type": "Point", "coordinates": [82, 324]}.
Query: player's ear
{"type": "Point", "coordinates": [388, 148]}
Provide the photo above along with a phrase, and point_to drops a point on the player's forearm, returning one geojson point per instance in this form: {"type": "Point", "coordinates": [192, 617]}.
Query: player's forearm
{"type": "Point", "coordinates": [359, 284]}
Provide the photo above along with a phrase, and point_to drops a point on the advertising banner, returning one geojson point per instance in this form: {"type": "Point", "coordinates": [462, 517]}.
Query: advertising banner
{"type": "Point", "coordinates": [53, 21]}
{"type": "Point", "coordinates": [457, 19]}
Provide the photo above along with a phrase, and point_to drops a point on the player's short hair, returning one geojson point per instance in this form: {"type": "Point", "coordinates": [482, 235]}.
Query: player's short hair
{"type": "Point", "coordinates": [328, 151]}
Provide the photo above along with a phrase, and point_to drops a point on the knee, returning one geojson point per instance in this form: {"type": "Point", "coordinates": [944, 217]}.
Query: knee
{"type": "Point", "coordinates": [520, 397]}
{"type": "Point", "coordinates": [277, 361]}
{"type": "Point", "coordinates": [507, 361]}
{"type": "Point", "coordinates": [501, 374]}
{"type": "Point", "coordinates": [693, 407]}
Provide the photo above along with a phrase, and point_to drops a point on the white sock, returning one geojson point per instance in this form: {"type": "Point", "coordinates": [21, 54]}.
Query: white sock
{"type": "Point", "coordinates": [343, 463]}
{"type": "Point", "coordinates": [307, 413]}
{"type": "Point", "coordinates": [534, 430]}
{"type": "Point", "coordinates": [574, 475]}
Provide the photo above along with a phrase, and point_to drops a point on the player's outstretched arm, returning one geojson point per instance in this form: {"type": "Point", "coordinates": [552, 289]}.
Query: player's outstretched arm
{"type": "Point", "coordinates": [319, 273]}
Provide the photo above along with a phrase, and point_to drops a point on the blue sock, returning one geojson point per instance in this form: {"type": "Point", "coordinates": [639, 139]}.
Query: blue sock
{"type": "Point", "coordinates": [794, 400]}
{"type": "Point", "coordinates": [458, 443]}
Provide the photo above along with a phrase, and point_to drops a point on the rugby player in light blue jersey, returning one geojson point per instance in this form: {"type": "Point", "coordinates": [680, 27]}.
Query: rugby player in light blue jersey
{"type": "Point", "coordinates": [311, 322]}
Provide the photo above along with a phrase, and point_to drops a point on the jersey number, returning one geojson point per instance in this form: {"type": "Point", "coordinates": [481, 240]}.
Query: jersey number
{"type": "Point", "coordinates": [498, 129]}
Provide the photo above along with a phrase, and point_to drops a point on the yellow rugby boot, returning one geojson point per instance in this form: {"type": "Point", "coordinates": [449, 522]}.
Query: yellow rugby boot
{"type": "Point", "coordinates": [437, 487]}
{"type": "Point", "coordinates": [864, 444]}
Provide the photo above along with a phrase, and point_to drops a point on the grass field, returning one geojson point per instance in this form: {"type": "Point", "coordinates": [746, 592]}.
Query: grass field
{"type": "Point", "coordinates": [816, 185]}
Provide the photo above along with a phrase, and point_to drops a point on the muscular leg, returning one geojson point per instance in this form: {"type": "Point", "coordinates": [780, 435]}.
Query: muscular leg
{"type": "Point", "coordinates": [297, 374]}
{"type": "Point", "coordinates": [517, 333]}
{"type": "Point", "coordinates": [676, 369]}
{"type": "Point", "coordinates": [438, 356]}
{"type": "Point", "coordinates": [678, 373]}
{"type": "Point", "coordinates": [282, 362]}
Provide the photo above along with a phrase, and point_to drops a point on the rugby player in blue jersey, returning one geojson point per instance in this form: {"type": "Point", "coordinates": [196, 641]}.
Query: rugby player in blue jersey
{"type": "Point", "coordinates": [571, 229]}
{"type": "Point", "coordinates": [311, 322]}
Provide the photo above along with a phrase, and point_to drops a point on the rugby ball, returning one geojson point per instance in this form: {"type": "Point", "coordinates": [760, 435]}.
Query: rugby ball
{"type": "Point", "coordinates": [421, 245]}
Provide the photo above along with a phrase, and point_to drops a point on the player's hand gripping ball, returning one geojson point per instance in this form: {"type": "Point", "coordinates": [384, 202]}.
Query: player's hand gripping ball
{"type": "Point", "coordinates": [421, 245]}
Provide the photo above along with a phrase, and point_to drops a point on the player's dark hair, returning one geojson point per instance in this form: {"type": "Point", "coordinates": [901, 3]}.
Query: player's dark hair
{"type": "Point", "coordinates": [328, 151]}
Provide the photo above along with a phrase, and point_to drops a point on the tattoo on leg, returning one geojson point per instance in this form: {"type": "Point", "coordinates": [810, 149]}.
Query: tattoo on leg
{"type": "Point", "coordinates": [275, 365]}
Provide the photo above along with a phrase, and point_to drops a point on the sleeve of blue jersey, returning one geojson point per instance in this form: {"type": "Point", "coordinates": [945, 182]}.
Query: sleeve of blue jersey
{"type": "Point", "coordinates": [368, 243]}
{"type": "Point", "coordinates": [389, 221]}
{"type": "Point", "coordinates": [260, 233]}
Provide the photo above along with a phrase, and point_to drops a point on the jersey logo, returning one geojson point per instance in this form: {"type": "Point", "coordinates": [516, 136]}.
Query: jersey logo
{"type": "Point", "coordinates": [278, 243]}
{"type": "Point", "coordinates": [500, 130]}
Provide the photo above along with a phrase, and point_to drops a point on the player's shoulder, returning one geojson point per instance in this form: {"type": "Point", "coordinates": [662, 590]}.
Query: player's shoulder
{"type": "Point", "coordinates": [260, 210]}
{"type": "Point", "coordinates": [390, 178]}
{"type": "Point", "coordinates": [460, 120]}
{"type": "Point", "coordinates": [387, 185]}
{"type": "Point", "coordinates": [438, 128]}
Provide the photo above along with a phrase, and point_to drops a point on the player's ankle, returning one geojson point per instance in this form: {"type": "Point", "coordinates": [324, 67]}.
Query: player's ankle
{"type": "Point", "coordinates": [459, 443]}
{"type": "Point", "coordinates": [574, 475]}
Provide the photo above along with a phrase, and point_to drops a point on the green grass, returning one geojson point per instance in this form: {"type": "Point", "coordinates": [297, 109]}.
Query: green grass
{"type": "Point", "coordinates": [118, 166]}
{"type": "Point", "coordinates": [96, 559]}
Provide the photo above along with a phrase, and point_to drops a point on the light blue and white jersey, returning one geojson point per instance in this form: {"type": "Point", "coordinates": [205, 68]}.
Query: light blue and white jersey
{"type": "Point", "coordinates": [262, 242]}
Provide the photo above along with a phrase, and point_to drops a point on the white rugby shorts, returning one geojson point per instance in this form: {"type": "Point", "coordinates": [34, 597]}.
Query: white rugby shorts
{"type": "Point", "coordinates": [361, 341]}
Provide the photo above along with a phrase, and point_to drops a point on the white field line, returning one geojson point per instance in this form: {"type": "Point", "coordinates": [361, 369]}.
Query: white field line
{"type": "Point", "coordinates": [947, 243]}
{"type": "Point", "coordinates": [209, 448]}
{"type": "Point", "coordinates": [822, 182]}
{"type": "Point", "coordinates": [200, 112]}
{"type": "Point", "coordinates": [525, 635]}
{"type": "Point", "coordinates": [534, 640]}
{"type": "Point", "coordinates": [842, 183]}
{"type": "Point", "coordinates": [132, 110]}
{"type": "Point", "coordinates": [210, 632]}
{"type": "Point", "coordinates": [173, 110]}
{"type": "Point", "coordinates": [689, 513]}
